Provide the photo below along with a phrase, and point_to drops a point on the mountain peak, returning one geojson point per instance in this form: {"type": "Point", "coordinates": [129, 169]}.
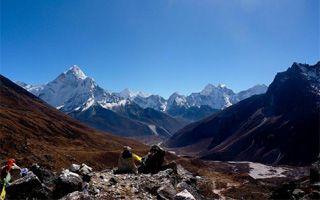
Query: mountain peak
{"type": "Point", "coordinates": [210, 88]}
{"type": "Point", "coordinates": [76, 71]}
{"type": "Point", "coordinates": [221, 85]}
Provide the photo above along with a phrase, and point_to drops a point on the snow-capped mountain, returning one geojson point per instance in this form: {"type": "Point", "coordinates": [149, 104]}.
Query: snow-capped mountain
{"type": "Point", "coordinates": [73, 90]}
{"type": "Point", "coordinates": [177, 99]}
{"type": "Point", "coordinates": [217, 97]}
{"type": "Point", "coordinates": [212, 98]}
{"type": "Point", "coordinates": [78, 95]}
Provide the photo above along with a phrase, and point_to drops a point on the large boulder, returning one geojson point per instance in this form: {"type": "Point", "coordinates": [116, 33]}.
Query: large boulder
{"type": "Point", "coordinates": [66, 183]}
{"type": "Point", "coordinates": [45, 176]}
{"type": "Point", "coordinates": [28, 187]}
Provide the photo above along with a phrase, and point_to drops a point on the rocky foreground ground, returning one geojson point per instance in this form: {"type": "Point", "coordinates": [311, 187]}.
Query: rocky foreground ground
{"type": "Point", "coordinates": [79, 182]}
{"type": "Point", "coordinates": [227, 180]}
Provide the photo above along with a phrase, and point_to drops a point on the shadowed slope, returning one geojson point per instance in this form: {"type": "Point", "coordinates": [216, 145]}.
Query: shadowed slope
{"type": "Point", "coordinates": [279, 127]}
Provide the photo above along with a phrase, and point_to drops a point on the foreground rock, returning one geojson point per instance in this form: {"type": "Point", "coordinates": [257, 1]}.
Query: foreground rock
{"type": "Point", "coordinates": [80, 182]}
{"type": "Point", "coordinates": [40, 183]}
{"type": "Point", "coordinates": [226, 180]}
{"type": "Point", "coordinates": [28, 187]}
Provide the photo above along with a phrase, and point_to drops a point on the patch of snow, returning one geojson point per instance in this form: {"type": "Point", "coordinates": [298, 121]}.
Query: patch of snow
{"type": "Point", "coordinates": [153, 129]}
{"type": "Point", "coordinates": [111, 105]}
{"type": "Point", "coordinates": [260, 171]}
{"type": "Point", "coordinates": [59, 107]}
{"type": "Point", "coordinates": [88, 104]}
{"type": "Point", "coordinates": [77, 108]}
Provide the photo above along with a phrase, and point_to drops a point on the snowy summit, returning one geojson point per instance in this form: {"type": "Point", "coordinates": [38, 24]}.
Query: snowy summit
{"type": "Point", "coordinates": [76, 72]}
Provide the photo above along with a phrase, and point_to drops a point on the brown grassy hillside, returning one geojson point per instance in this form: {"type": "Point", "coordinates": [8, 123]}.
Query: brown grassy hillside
{"type": "Point", "coordinates": [32, 131]}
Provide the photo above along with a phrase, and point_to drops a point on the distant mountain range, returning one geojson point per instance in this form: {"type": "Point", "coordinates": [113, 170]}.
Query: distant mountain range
{"type": "Point", "coordinates": [278, 127]}
{"type": "Point", "coordinates": [130, 113]}
{"type": "Point", "coordinates": [215, 97]}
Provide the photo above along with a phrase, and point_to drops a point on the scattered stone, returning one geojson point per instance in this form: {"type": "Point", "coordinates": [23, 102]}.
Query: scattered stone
{"type": "Point", "coordinates": [189, 187]}
{"type": "Point", "coordinates": [72, 184]}
{"type": "Point", "coordinates": [298, 193]}
{"type": "Point", "coordinates": [184, 195]}
{"type": "Point", "coordinates": [74, 168]}
{"type": "Point", "coordinates": [77, 196]}
{"type": "Point", "coordinates": [85, 169]}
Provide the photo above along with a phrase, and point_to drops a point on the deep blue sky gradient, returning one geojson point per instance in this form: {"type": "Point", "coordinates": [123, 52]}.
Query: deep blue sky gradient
{"type": "Point", "coordinates": [158, 46]}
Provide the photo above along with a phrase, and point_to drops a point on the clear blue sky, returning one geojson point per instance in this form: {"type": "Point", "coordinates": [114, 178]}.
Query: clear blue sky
{"type": "Point", "coordinates": [158, 46]}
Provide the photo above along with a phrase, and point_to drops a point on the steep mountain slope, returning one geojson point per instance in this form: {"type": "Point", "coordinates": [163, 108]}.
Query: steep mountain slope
{"type": "Point", "coordinates": [279, 127]}
{"type": "Point", "coordinates": [33, 131]}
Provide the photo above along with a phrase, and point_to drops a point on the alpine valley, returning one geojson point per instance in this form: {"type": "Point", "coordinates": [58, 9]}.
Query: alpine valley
{"type": "Point", "coordinates": [262, 143]}
{"type": "Point", "coordinates": [133, 114]}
